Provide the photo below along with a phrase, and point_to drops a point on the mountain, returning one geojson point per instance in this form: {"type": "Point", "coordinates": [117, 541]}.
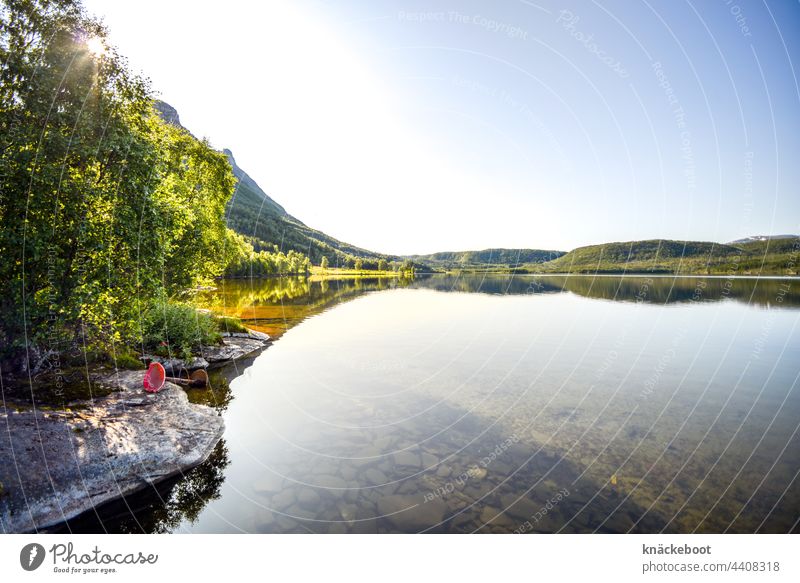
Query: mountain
{"type": "Point", "coordinates": [266, 224]}
{"type": "Point", "coordinates": [772, 255]}
{"type": "Point", "coordinates": [756, 238]}
{"type": "Point", "coordinates": [486, 258]}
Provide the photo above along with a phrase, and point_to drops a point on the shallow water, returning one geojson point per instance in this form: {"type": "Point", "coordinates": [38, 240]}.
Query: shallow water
{"type": "Point", "coordinates": [499, 404]}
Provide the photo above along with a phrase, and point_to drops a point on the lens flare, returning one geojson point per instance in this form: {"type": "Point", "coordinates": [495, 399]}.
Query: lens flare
{"type": "Point", "coordinates": [96, 46]}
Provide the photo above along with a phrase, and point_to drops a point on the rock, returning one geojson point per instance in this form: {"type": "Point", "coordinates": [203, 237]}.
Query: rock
{"type": "Point", "coordinates": [337, 528]}
{"type": "Point", "coordinates": [375, 477]}
{"type": "Point", "coordinates": [268, 484]}
{"type": "Point", "coordinates": [383, 443]}
{"type": "Point", "coordinates": [523, 509]}
{"type": "Point", "coordinates": [308, 498]}
{"type": "Point", "coordinates": [406, 459]}
{"type": "Point", "coordinates": [264, 521]}
{"type": "Point", "coordinates": [495, 517]}
{"type": "Point", "coordinates": [283, 499]}
{"type": "Point", "coordinates": [411, 513]}
{"type": "Point", "coordinates": [296, 511]}
{"type": "Point", "coordinates": [443, 471]}
{"type": "Point", "coordinates": [349, 513]}
{"type": "Point", "coordinates": [126, 441]}
{"type": "Point", "coordinates": [231, 349]}
{"type": "Point", "coordinates": [476, 472]}
{"type": "Point", "coordinates": [429, 460]}
{"type": "Point", "coordinates": [333, 485]}
{"type": "Point", "coordinates": [367, 457]}
{"type": "Point", "coordinates": [256, 335]}
{"type": "Point", "coordinates": [348, 472]}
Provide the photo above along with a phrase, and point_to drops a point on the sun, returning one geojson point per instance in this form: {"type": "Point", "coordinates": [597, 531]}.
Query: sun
{"type": "Point", "coordinates": [96, 46]}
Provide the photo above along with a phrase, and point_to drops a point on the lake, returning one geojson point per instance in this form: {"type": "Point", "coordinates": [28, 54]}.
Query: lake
{"type": "Point", "coordinates": [488, 403]}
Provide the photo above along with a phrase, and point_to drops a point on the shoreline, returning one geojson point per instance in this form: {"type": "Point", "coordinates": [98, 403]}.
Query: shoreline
{"type": "Point", "coordinates": [67, 461]}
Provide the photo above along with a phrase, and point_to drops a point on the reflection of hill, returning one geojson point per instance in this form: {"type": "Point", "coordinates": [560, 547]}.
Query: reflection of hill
{"type": "Point", "coordinates": [276, 304]}
{"type": "Point", "coordinates": [656, 290]}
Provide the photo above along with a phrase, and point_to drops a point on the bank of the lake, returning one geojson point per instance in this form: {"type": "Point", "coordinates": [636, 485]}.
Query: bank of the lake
{"type": "Point", "coordinates": [71, 449]}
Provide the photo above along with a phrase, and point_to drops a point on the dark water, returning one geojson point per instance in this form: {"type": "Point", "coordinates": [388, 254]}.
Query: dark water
{"type": "Point", "coordinates": [499, 404]}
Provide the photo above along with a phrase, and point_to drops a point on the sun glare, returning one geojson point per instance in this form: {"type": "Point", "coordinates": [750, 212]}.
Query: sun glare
{"type": "Point", "coordinates": [96, 46]}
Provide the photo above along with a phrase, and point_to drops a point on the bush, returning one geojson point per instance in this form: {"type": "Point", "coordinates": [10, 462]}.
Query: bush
{"type": "Point", "coordinates": [173, 329]}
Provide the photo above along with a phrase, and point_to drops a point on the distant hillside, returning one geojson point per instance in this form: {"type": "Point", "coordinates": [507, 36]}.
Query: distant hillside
{"type": "Point", "coordinates": [755, 238]}
{"type": "Point", "coordinates": [486, 258]}
{"type": "Point", "coordinates": [665, 256]}
{"type": "Point", "coordinates": [266, 224]}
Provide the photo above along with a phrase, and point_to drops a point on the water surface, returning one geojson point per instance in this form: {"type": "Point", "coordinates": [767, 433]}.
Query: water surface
{"type": "Point", "coordinates": [499, 404]}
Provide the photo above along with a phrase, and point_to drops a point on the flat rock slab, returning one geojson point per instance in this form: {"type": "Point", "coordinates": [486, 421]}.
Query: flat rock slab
{"type": "Point", "coordinates": [233, 347]}
{"type": "Point", "coordinates": [54, 465]}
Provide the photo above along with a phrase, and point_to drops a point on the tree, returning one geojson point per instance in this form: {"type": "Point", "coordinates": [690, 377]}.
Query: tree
{"type": "Point", "coordinates": [359, 265]}
{"type": "Point", "coordinates": [324, 263]}
{"type": "Point", "coordinates": [381, 264]}
{"type": "Point", "coordinates": [103, 206]}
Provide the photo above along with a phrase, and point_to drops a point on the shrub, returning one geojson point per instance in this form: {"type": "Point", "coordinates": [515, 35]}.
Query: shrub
{"type": "Point", "coordinates": [174, 329]}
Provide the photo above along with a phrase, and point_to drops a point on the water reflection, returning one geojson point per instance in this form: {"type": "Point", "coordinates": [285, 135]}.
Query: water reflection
{"type": "Point", "coordinates": [653, 290]}
{"type": "Point", "coordinates": [161, 508]}
{"type": "Point", "coordinates": [515, 404]}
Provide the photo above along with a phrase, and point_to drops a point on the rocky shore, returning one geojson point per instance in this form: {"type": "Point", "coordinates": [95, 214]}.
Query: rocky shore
{"type": "Point", "coordinates": [59, 463]}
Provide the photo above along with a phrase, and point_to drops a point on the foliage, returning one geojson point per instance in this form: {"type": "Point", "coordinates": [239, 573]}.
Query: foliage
{"type": "Point", "coordinates": [176, 330]}
{"type": "Point", "coordinates": [102, 204]}
{"type": "Point", "coordinates": [244, 261]}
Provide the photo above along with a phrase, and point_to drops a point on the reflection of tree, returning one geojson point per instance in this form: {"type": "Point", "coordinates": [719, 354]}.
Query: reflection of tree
{"type": "Point", "coordinates": [217, 395]}
{"type": "Point", "coordinates": [162, 508]}
{"type": "Point", "coordinates": [289, 298]}
{"type": "Point", "coordinates": [190, 495]}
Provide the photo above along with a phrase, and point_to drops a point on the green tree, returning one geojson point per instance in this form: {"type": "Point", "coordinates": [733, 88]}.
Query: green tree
{"type": "Point", "coordinates": [382, 264]}
{"type": "Point", "coordinates": [103, 206]}
{"type": "Point", "coordinates": [359, 265]}
{"type": "Point", "coordinates": [324, 263]}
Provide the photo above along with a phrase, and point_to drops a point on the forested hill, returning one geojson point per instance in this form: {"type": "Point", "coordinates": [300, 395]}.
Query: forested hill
{"type": "Point", "coordinates": [487, 258]}
{"type": "Point", "coordinates": [266, 224]}
{"type": "Point", "coordinates": [753, 256]}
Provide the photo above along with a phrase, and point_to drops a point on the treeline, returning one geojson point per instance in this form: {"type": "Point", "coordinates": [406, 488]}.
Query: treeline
{"type": "Point", "coordinates": [350, 262]}
{"type": "Point", "coordinates": [246, 261]}
{"type": "Point", "coordinates": [105, 209]}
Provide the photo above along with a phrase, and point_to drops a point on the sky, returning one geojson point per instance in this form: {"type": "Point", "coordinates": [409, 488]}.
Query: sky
{"type": "Point", "coordinates": [423, 126]}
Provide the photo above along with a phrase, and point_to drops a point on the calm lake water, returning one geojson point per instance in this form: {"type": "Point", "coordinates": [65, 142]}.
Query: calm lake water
{"type": "Point", "coordinates": [499, 404]}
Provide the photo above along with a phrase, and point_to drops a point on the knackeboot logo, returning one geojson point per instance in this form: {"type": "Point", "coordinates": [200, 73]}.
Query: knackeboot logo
{"type": "Point", "coordinates": [31, 556]}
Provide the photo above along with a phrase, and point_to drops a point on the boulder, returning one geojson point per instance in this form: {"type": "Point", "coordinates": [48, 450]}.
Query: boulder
{"type": "Point", "coordinates": [410, 513]}
{"type": "Point", "coordinates": [75, 459]}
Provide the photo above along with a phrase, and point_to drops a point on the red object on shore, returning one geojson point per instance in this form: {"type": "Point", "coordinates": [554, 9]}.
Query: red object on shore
{"type": "Point", "coordinates": [154, 377]}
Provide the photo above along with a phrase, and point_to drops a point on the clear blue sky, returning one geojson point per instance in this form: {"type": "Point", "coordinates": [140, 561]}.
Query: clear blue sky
{"type": "Point", "coordinates": [413, 127]}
